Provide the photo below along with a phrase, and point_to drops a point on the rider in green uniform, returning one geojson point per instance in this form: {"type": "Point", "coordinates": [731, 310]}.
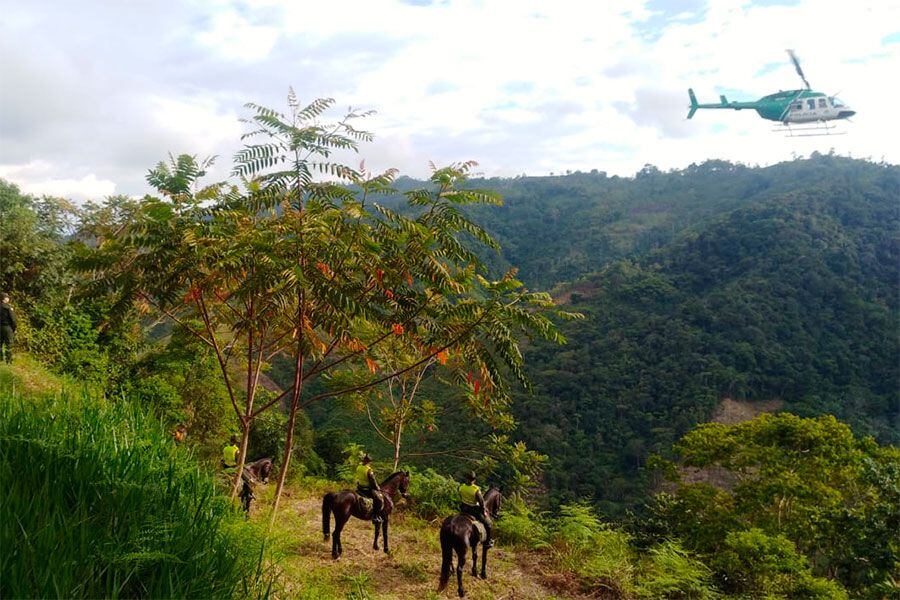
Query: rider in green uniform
{"type": "Point", "coordinates": [471, 502]}
{"type": "Point", "coordinates": [229, 455]}
{"type": "Point", "coordinates": [367, 485]}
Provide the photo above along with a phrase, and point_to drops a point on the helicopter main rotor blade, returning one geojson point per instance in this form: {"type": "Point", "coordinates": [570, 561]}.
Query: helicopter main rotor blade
{"type": "Point", "coordinates": [797, 66]}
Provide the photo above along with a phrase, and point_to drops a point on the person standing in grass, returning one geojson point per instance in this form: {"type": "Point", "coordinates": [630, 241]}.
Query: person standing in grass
{"type": "Point", "coordinates": [7, 329]}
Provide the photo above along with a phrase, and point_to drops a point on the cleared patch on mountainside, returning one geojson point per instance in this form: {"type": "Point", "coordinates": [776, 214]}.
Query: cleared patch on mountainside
{"type": "Point", "coordinates": [731, 411]}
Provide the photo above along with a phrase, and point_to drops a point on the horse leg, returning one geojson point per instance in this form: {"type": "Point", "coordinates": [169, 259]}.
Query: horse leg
{"type": "Point", "coordinates": [460, 567]}
{"type": "Point", "coordinates": [375, 543]}
{"type": "Point", "coordinates": [484, 551]}
{"type": "Point", "coordinates": [384, 530]}
{"type": "Point", "coordinates": [336, 537]}
{"type": "Point", "coordinates": [475, 559]}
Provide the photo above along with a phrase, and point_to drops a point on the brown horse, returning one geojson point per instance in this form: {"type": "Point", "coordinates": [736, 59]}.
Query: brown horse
{"type": "Point", "coordinates": [459, 533]}
{"type": "Point", "coordinates": [345, 504]}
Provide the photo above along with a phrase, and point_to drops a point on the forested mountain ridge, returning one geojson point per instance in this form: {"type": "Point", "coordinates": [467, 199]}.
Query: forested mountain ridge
{"type": "Point", "coordinates": [716, 281]}
{"type": "Point", "coordinates": [559, 228]}
{"type": "Point", "coordinates": [793, 298]}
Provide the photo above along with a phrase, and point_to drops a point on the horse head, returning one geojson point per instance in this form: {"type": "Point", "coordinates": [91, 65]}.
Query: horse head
{"type": "Point", "coordinates": [265, 469]}
{"type": "Point", "coordinates": [493, 500]}
{"type": "Point", "coordinates": [404, 485]}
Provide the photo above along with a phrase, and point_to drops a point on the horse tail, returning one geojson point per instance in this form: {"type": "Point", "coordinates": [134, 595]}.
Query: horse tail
{"type": "Point", "coordinates": [326, 514]}
{"type": "Point", "coordinates": [446, 556]}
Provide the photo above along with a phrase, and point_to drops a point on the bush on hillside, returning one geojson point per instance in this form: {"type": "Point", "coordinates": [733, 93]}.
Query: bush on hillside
{"type": "Point", "coordinates": [755, 562]}
{"type": "Point", "coordinates": [98, 502]}
{"type": "Point", "coordinates": [670, 572]}
{"type": "Point", "coordinates": [267, 439]}
{"type": "Point", "coordinates": [433, 495]}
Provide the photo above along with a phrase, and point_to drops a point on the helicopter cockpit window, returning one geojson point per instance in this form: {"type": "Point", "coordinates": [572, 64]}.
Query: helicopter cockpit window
{"type": "Point", "coordinates": [835, 102]}
{"type": "Point", "coordinates": [822, 103]}
{"type": "Point", "coordinates": [811, 104]}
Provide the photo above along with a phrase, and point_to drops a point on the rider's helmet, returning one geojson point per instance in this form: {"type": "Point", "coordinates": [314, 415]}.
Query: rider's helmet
{"type": "Point", "coordinates": [366, 459]}
{"type": "Point", "coordinates": [470, 477]}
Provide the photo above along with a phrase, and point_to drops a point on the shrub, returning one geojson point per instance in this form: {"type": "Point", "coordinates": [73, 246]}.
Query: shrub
{"type": "Point", "coordinates": [756, 562]}
{"type": "Point", "coordinates": [98, 502]}
{"type": "Point", "coordinates": [670, 572]}
{"type": "Point", "coordinates": [433, 495]}
{"type": "Point", "coordinates": [587, 547]}
{"type": "Point", "coordinates": [520, 526]}
{"type": "Point", "coordinates": [267, 438]}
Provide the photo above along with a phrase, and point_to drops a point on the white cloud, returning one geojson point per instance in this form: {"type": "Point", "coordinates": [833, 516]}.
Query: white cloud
{"type": "Point", "coordinates": [234, 37]}
{"type": "Point", "coordinates": [37, 178]}
{"type": "Point", "coordinates": [520, 86]}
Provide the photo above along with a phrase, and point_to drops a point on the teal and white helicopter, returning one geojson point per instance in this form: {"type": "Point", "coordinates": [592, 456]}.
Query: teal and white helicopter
{"type": "Point", "coordinates": [802, 112]}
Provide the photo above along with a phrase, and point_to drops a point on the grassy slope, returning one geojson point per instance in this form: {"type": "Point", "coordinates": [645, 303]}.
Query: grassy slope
{"type": "Point", "coordinates": [106, 506]}
{"type": "Point", "coordinates": [303, 559]}
{"type": "Point", "coordinates": [412, 569]}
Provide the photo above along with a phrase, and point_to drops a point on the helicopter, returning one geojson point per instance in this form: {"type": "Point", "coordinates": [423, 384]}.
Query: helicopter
{"type": "Point", "coordinates": [811, 110]}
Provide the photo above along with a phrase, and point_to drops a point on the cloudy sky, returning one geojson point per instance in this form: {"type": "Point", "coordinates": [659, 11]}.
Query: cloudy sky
{"type": "Point", "coordinates": [93, 93]}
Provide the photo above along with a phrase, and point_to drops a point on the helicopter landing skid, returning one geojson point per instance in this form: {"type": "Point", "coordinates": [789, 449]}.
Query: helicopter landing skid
{"type": "Point", "coordinates": [816, 130]}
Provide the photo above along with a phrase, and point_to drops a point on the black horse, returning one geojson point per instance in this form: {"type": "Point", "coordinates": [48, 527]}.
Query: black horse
{"type": "Point", "coordinates": [459, 533]}
{"type": "Point", "coordinates": [345, 504]}
{"type": "Point", "coordinates": [257, 471]}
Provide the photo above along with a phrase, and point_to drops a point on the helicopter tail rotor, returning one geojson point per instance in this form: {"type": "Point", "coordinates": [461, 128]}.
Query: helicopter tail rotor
{"type": "Point", "coordinates": [797, 66]}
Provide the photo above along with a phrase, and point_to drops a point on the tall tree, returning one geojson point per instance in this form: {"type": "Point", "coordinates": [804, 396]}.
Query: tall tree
{"type": "Point", "coordinates": [296, 261]}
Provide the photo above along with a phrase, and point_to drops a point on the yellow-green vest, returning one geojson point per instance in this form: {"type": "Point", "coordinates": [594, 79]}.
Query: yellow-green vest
{"type": "Point", "coordinates": [229, 455]}
{"type": "Point", "coordinates": [362, 475]}
{"type": "Point", "coordinates": [468, 494]}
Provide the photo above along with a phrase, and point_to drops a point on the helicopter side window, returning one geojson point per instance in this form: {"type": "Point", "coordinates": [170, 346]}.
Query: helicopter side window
{"type": "Point", "coordinates": [822, 103]}
{"type": "Point", "coordinates": [797, 106]}
{"type": "Point", "coordinates": [811, 104]}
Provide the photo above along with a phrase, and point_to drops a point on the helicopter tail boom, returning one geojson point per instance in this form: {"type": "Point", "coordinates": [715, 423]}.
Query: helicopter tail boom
{"type": "Point", "coordinates": [723, 103]}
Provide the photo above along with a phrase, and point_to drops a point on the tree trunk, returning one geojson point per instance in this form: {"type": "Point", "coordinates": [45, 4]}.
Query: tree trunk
{"type": "Point", "coordinates": [292, 418]}
{"type": "Point", "coordinates": [286, 462]}
{"type": "Point", "coordinates": [397, 433]}
{"type": "Point", "coordinates": [242, 457]}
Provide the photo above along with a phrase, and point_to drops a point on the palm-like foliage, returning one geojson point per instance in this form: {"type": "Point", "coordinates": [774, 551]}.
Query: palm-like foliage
{"type": "Point", "coordinates": [293, 259]}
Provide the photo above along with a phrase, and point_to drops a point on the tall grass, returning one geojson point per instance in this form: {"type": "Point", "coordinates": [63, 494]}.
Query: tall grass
{"type": "Point", "coordinates": [98, 502]}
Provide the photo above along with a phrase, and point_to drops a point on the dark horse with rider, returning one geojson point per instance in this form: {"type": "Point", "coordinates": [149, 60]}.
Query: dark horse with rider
{"type": "Point", "coordinates": [465, 531]}
{"type": "Point", "coordinates": [370, 502]}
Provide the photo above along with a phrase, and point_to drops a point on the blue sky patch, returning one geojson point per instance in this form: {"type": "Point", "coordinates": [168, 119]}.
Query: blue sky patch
{"type": "Point", "coordinates": [517, 87]}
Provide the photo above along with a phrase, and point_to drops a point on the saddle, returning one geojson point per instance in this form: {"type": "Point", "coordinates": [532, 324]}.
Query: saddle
{"type": "Point", "coordinates": [364, 504]}
{"type": "Point", "coordinates": [482, 532]}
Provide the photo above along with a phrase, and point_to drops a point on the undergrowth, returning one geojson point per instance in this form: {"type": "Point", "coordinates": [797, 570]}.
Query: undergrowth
{"type": "Point", "coordinates": [98, 502]}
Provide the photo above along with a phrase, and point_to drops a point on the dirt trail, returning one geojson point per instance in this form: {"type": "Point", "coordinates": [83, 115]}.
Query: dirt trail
{"type": "Point", "coordinates": [410, 571]}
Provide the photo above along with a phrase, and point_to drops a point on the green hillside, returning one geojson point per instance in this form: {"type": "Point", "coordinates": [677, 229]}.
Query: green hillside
{"type": "Point", "coordinates": [716, 281]}
{"type": "Point", "coordinates": [793, 298]}
{"type": "Point", "coordinates": [559, 228]}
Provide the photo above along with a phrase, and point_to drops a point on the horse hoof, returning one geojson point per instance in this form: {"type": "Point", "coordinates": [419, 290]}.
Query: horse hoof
{"type": "Point", "coordinates": [484, 575]}
{"type": "Point", "coordinates": [327, 537]}
{"type": "Point", "coordinates": [461, 593]}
